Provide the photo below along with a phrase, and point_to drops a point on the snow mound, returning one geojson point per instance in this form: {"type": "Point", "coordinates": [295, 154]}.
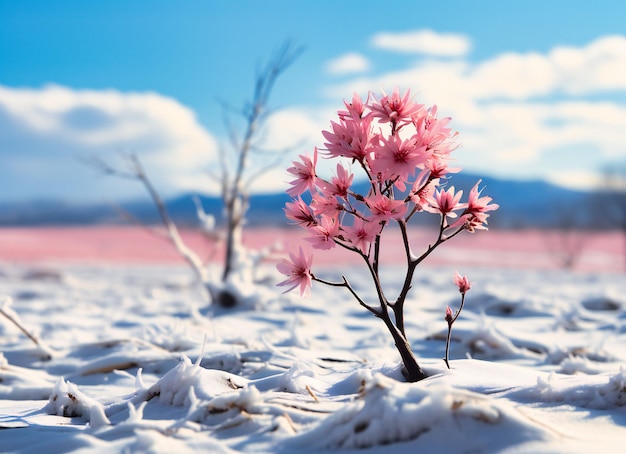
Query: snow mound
{"type": "Point", "coordinates": [66, 400]}
{"type": "Point", "coordinates": [174, 387]}
{"type": "Point", "coordinates": [607, 393]}
{"type": "Point", "coordinates": [19, 383]}
{"type": "Point", "coordinates": [488, 342]}
{"type": "Point", "coordinates": [388, 412]}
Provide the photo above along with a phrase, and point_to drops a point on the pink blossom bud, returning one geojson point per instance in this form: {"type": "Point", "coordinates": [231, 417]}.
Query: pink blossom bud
{"type": "Point", "coordinates": [448, 317]}
{"type": "Point", "coordinates": [462, 282]}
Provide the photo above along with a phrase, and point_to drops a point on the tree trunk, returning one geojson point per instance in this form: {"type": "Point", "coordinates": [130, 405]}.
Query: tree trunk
{"type": "Point", "coordinates": [235, 214]}
{"type": "Point", "coordinates": [411, 371]}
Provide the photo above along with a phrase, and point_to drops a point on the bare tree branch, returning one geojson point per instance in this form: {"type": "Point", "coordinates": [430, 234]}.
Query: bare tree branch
{"type": "Point", "coordinates": [136, 172]}
{"type": "Point", "coordinates": [235, 201]}
{"type": "Point", "coordinates": [232, 134]}
{"type": "Point", "coordinates": [174, 235]}
{"type": "Point", "coordinates": [105, 168]}
{"type": "Point", "coordinates": [128, 216]}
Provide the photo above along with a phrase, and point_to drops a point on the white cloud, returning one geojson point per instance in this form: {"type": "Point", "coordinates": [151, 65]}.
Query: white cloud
{"type": "Point", "coordinates": [599, 66]}
{"type": "Point", "coordinates": [513, 76]}
{"type": "Point", "coordinates": [522, 115]}
{"type": "Point", "coordinates": [596, 67]}
{"type": "Point", "coordinates": [44, 132]}
{"type": "Point", "coordinates": [579, 179]}
{"type": "Point", "coordinates": [348, 64]}
{"type": "Point", "coordinates": [425, 42]}
{"type": "Point", "coordinates": [299, 131]}
{"type": "Point", "coordinates": [519, 115]}
{"type": "Point", "coordinates": [296, 127]}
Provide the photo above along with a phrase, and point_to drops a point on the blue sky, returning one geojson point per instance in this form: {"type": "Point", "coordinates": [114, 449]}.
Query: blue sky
{"type": "Point", "coordinates": [536, 89]}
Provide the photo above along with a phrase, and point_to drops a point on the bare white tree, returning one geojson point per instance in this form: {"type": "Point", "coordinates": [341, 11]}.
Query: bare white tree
{"type": "Point", "coordinates": [235, 178]}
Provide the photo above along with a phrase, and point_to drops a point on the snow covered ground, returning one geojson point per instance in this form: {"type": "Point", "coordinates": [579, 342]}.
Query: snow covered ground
{"type": "Point", "coordinates": [132, 360]}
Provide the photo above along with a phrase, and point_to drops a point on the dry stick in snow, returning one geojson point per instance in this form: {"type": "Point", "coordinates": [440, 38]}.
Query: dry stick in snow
{"type": "Point", "coordinates": [13, 318]}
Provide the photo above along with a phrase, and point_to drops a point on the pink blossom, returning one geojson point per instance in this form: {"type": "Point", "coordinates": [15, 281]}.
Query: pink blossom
{"type": "Point", "coordinates": [477, 208]}
{"type": "Point", "coordinates": [323, 203]}
{"type": "Point", "coordinates": [339, 184]}
{"type": "Point", "coordinates": [448, 316]}
{"type": "Point", "coordinates": [324, 233]}
{"type": "Point", "coordinates": [445, 202]}
{"type": "Point", "coordinates": [300, 212]}
{"type": "Point", "coordinates": [433, 132]}
{"type": "Point", "coordinates": [305, 175]}
{"type": "Point", "coordinates": [471, 223]}
{"type": "Point", "coordinates": [461, 282]}
{"type": "Point", "coordinates": [398, 157]}
{"type": "Point", "coordinates": [349, 138]}
{"type": "Point", "coordinates": [438, 167]}
{"type": "Point", "coordinates": [354, 110]}
{"type": "Point", "coordinates": [362, 233]}
{"type": "Point", "coordinates": [298, 270]}
{"type": "Point", "coordinates": [395, 109]}
{"type": "Point", "coordinates": [383, 208]}
{"type": "Point", "coordinates": [477, 204]}
{"type": "Point", "coordinates": [423, 190]}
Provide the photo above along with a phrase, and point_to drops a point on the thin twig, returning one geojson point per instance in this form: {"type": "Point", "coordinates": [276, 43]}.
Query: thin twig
{"type": "Point", "coordinates": [311, 393]}
{"type": "Point", "coordinates": [450, 323]}
{"type": "Point", "coordinates": [347, 285]}
{"type": "Point", "coordinates": [20, 326]}
{"type": "Point", "coordinates": [15, 320]}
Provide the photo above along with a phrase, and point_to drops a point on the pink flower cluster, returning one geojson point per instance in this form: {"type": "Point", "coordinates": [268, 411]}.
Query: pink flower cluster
{"type": "Point", "coordinates": [403, 150]}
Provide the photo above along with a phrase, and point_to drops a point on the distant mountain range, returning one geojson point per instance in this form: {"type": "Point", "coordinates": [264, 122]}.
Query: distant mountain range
{"type": "Point", "coordinates": [522, 204]}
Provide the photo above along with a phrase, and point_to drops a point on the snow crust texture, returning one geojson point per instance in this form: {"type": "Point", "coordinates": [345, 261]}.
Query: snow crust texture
{"type": "Point", "coordinates": [130, 359]}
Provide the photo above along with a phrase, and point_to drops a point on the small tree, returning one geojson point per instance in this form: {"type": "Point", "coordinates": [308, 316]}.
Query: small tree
{"type": "Point", "coordinates": [235, 179]}
{"type": "Point", "coordinates": [402, 149]}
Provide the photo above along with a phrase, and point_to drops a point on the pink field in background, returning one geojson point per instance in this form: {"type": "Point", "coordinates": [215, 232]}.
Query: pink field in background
{"type": "Point", "coordinates": [601, 251]}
